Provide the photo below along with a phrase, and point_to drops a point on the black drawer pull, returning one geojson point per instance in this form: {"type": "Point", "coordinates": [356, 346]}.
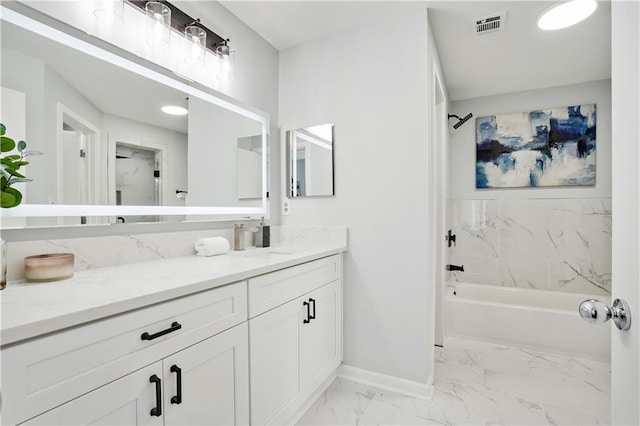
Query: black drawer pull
{"type": "Point", "coordinates": [177, 399]}
{"type": "Point", "coordinates": [174, 326]}
{"type": "Point", "coordinates": [157, 410]}
{"type": "Point", "coordinates": [313, 301]}
{"type": "Point", "coordinates": [308, 318]}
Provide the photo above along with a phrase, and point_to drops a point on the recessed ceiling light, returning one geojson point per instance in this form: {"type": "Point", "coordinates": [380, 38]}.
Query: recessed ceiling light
{"type": "Point", "coordinates": [174, 110]}
{"type": "Point", "coordinates": [565, 14]}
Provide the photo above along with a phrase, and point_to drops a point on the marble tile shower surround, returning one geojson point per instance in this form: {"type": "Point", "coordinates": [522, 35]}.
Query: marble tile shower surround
{"type": "Point", "coordinates": [549, 244]}
{"type": "Point", "coordinates": [100, 252]}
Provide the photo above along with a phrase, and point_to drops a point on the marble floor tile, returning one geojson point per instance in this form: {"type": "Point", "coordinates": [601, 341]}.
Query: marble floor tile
{"type": "Point", "coordinates": [479, 383]}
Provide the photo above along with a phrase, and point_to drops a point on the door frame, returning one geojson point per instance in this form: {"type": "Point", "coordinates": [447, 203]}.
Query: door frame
{"type": "Point", "coordinates": [66, 114]}
{"type": "Point", "coordinates": [439, 187]}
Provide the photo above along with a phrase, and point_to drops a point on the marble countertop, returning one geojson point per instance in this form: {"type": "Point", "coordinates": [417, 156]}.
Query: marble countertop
{"type": "Point", "coordinates": [33, 309]}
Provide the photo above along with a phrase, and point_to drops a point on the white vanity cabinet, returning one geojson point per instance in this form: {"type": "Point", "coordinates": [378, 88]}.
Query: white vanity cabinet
{"type": "Point", "coordinates": [205, 384]}
{"type": "Point", "coordinates": [249, 352]}
{"type": "Point", "coordinates": [297, 344]}
{"type": "Point", "coordinates": [53, 370]}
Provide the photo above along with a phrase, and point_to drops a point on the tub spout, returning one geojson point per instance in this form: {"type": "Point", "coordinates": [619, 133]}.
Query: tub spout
{"type": "Point", "coordinates": [455, 268]}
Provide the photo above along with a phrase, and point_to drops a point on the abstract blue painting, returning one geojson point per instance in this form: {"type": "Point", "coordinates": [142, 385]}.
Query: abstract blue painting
{"type": "Point", "coordinates": [553, 147]}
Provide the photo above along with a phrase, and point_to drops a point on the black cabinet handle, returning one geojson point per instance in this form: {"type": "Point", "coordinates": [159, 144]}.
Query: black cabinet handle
{"type": "Point", "coordinates": [157, 410]}
{"type": "Point", "coordinates": [308, 318]}
{"type": "Point", "coordinates": [313, 301]}
{"type": "Point", "coordinates": [177, 399]}
{"type": "Point", "coordinates": [174, 327]}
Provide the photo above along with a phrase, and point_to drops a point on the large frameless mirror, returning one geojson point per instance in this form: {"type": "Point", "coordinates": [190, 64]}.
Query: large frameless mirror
{"type": "Point", "coordinates": [109, 152]}
{"type": "Point", "coordinates": [310, 161]}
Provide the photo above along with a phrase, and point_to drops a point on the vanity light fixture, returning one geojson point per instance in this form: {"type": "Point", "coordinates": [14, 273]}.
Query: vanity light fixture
{"type": "Point", "coordinates": [109, 11]}
{"type": "Point", "coordinates": [174, 110]}
{"type": "Point", "coordinates": [566, 14]}
{"type": "Point", "coordinates": [179, 21]}
{"type": "Point", "coordinates": [196, 39]}
{"type": "Point", "coordinates": [227, 59]}
{"type": "Point", "coordinates": [158, 24]}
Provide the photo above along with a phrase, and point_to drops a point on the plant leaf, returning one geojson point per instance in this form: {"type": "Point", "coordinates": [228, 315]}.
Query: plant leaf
{"type": "Point", "coordinates": [10, 197]}
{"type": "Point", "coordinates": [7, 161]}
{"type": "Point", "coordinates": [3, 129]}
{"type": "Point", "coordinates": [31, 152]}
{"type": "Point", "coordinates": [15, 179]}
{"type": "Point", "coordinates": [6, 173]}
{"type": "Point", "coordinates": [15, 173]}
{"type": "Point", "coordinates": [12, 157]}
{"type": "Point", "coordinates": [22, 145]}
{"type": "Point", "coordinates": [6, 144]}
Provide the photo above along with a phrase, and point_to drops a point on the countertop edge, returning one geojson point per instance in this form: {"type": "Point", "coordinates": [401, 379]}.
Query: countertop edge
{"type": "Point", "coordinates": [16, 334]}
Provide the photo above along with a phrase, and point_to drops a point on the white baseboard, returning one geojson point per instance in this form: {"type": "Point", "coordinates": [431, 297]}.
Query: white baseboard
{"type": "Point", "coordinates": [390, 383]}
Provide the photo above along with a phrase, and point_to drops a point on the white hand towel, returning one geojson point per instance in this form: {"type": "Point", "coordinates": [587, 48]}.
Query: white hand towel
{"type": "Point", "coordinates": [211, 246]}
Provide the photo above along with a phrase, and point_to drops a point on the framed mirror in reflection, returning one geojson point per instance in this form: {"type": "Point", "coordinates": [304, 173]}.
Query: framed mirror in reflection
{"type": "Point", "coordinates": [110, 152]}
{"type": "Point", "coordinates": [310, 161]}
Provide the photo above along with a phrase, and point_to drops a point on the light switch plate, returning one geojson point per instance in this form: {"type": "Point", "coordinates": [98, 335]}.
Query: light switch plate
{"type": "Point", "coordinates": [286, 207]}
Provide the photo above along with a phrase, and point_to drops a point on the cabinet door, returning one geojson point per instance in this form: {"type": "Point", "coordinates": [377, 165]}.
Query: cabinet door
{"type": "Point", "coordinates": [126, 401]}
{"type": "Point", "coordinates": [208, 383]}
{"type": "Point", "coordinates": [274, 360]}
{"type": "Point", "coordinates": [321, 338]}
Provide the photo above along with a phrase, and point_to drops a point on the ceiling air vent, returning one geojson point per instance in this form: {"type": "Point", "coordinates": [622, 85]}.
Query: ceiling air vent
{"type": "Point", "coordinates": [490, 24]}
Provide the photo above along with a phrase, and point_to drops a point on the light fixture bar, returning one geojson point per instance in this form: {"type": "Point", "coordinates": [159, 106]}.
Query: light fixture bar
{"type": "Point", "coordinates": [180, 20]}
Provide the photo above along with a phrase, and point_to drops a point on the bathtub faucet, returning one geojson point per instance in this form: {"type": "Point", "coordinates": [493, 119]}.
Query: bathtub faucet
{"type": "Point", "coordinates": [455, 268]}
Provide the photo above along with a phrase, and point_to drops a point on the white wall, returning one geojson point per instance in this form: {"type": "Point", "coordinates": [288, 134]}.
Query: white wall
{"type": "Point", "coordinates": [462, 169]}
{"type": "Point", "coordinates": [372, 84]}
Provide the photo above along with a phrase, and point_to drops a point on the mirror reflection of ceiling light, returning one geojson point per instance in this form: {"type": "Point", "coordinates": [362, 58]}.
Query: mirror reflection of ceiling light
{"type": "Point", "coordinates": [174, 110]}
{"type": "Point", "coordinates": [566, 14]}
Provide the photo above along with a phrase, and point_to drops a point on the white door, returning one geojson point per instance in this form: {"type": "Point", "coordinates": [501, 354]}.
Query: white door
{"type": "Point", "coordinates": [127, 401]}
{"type": "Point", "coordinates": [275, 361]}
{"type": "Point", "coordinates": [321, 338]}
{"type": "Point", "coordinates": [625, 345]}
{"type": "Point", "coordinates": [208, 383]}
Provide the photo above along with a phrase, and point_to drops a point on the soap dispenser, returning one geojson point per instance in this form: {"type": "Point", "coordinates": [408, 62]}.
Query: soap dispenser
{"type": "Point", "coordinates": [263, 235]}
{"type": "Point", "coordinates": [238, 237]}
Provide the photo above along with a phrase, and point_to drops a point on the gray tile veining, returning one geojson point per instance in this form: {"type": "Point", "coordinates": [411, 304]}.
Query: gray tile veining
{"type": "Point", "coordinates": [548, 244]}
{"type": "Point", "coordinates": [478, 383]}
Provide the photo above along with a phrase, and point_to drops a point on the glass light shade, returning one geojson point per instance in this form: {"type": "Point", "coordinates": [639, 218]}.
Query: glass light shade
{"type": "Point", "coordinates": [158, 24]}
{"type": "Point", "coordinates": [566, 14]}
{"type": "Point", "coordinates": [109, 11]}
{"type": "Point", "coordinates": [196, 41]}
{"type": "Point", "coordinates": [227, 66]}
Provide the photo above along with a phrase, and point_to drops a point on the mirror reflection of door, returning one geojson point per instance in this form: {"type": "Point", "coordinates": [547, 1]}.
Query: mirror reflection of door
{"type": "Point", "coordinates": [301, 172]}
{"type": "Point", "coordinates": [78, 139]}
{"type": "Point", "coordinates": [138, 172]}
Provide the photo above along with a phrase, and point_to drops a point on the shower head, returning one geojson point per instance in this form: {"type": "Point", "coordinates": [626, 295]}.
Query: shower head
{"type": "Point", "coordinates": [461, 121]}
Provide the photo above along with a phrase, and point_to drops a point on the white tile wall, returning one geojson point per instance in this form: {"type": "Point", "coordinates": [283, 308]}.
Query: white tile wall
{"type": "Point", "coordinates": [550, 244]}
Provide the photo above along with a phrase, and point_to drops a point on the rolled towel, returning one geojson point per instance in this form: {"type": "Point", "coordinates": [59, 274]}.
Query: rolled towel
{"type": "Point", "coordinates": [211, 246]}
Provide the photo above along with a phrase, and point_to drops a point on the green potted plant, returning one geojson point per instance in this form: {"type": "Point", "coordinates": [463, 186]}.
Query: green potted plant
{"type": "Point", "coordinates": [10, 197]}
{"type": "Point", "coordinates": [9, 166]}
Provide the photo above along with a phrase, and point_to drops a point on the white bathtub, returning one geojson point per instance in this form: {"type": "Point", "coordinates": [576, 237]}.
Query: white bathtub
{"type": "Point", "coordinates": [547, 321]}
